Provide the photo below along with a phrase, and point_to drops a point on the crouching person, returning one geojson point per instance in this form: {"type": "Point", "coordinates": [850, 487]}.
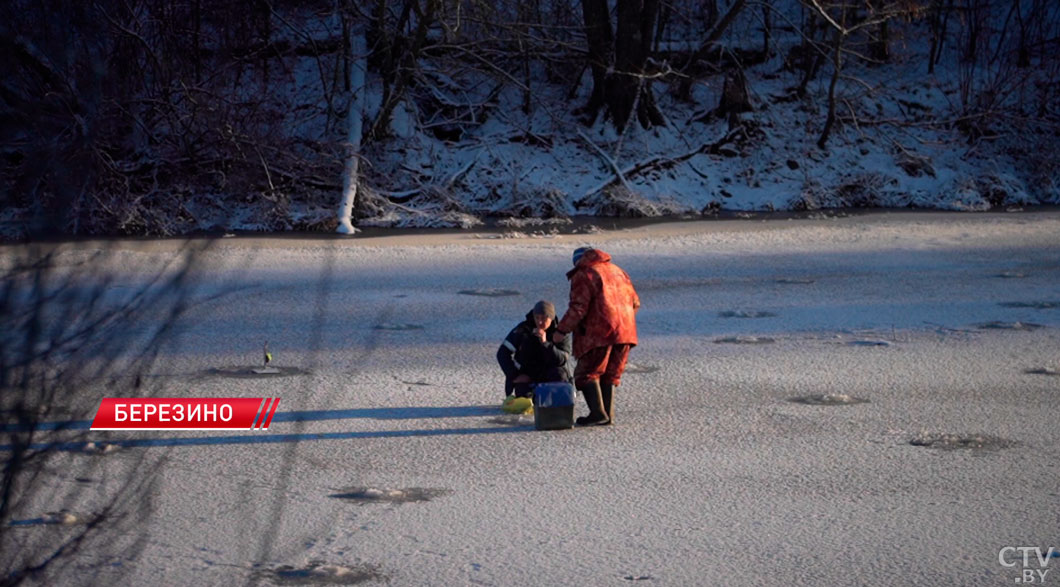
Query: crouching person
{"type": "Point", "coordinates": [532, 354]}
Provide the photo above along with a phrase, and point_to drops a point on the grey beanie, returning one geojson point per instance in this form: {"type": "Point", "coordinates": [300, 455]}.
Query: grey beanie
{"type": "Point", "coordinates": [544, 308]}
{"type": "Point", "coordinates": [579, 252]}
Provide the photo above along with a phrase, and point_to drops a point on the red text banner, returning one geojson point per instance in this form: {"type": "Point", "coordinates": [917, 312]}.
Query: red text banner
{"type": "Point", "coordinates": [171, 413]}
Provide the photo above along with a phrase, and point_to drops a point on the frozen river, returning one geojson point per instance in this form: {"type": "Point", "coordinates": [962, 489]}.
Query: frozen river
{"type": "Point", "coordinates": [853, 401]}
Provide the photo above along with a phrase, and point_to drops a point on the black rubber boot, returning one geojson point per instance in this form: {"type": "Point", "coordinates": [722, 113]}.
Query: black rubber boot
{"type": "Point", "coordinates": [524, 390]}
{"type": "Point", "coordinates": [593, 399]}
{"type": "Point", "coordinates": [607, 393]}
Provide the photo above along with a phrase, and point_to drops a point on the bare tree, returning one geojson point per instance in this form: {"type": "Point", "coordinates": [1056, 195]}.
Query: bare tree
{"type": "Point", "coordinates": [63, 333]}
{"type": "Point", "coordinates": [844, 19]}
{"type": "Point", "coordinates": [939, 19]}
{"type": "Point", "coordinates": [719, 28]}
{"type": "Point", "coordinates": [1007, 64]}
{"type": "Point", "coordinates": [709, 49]}
{"type": "Point", "coordinates": [600, 40]}
{"type": "Point", "coordinates": [144, 153]}
{"type": "Point", "coordinates": [354, 118]}
{"type": "Point", "coordinates": [812, 50]}
{"type": "Point", "coordinates": [621, 82]}
{"type": "Point", "coordinates": [399, 63]}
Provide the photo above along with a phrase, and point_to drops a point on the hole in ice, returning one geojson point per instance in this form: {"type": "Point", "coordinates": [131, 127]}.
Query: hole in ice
{"type": "Point", "coordinates": [490, 292]}
{"type": "Point", "coordinates": [744, 340]}
{"type": "Point", "coordinates": [99, 448]}
{"type": "Point", "coordinates": [828, 399]}
{"type": "Point", "coordinates": [665, 284]}
{"type": "Point", "coordinates": [397, 326]}
{"type": "Point", "coordinates": [257, 372]}
{"type": "Point", "coordinates": [961, 441]}
{"type": "Point", "coordinates": [321, 573]}
{"type": "Point", "coordinates": [997, 325]}
{"type": "Point", "coordinates": [1012, 274]}
{"type": "Point", "coordinates": [746, 314]}
{"type": "Point", "coordinates": [378, 495]}
{"type": "Point", "coordinates": [1044, 371]}
{"type": "Point", "coordinates": [62, 517]}
{"type": "Point", "coordinates": [632, 367]}
{"type": "Point", "coordinates": [794, 281]}
{"type": "Point", "coordinates": [868, 342]}
{"type": "Point", "coordinates": [638, 577]}
{"type": "Point", "coordinates": [1045, 305]}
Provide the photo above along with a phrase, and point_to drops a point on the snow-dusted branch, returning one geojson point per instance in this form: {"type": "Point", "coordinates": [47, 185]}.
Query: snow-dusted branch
{"type": "Point", "coordinates": [461, 172]}
{"type": "Point", "coordinates": [719, 29]}
{"type": "Point", "coordinates": [875, 18]}
{"type": "Point", "coordinates": [657, 162]}
{"type": "Point", "coordinates": [607, 159]}
{"type": "Point", "coordinates": [486, 62]}
{"type": "Point", "coordinates": [828, 17]}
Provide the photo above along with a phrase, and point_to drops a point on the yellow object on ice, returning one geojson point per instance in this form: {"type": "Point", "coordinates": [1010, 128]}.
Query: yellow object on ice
{"type": "Point", "coordinates": [518, 405]}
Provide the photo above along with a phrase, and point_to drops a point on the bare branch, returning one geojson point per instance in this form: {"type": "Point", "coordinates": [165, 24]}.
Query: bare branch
{"type": "Point", "coordinates": [610, 163]}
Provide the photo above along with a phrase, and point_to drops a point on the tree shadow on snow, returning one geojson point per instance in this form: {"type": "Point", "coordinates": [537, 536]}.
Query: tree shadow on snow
{"type": "Point", "coordinates": [400, 413]}
{"type": "Point", "coordinates": [397, 413]}
{"type": "Point", "coordinates": [277, 438]}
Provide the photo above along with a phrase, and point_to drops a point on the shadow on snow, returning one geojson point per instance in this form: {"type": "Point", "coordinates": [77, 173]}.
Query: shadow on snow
{"type": "Point", "coordinates": [399, 413]}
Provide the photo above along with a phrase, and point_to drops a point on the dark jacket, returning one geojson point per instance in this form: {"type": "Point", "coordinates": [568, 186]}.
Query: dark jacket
{"type": "Point", "coordinates": [522, 353]}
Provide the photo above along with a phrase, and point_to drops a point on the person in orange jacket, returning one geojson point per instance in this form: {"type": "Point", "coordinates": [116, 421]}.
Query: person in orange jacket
{"type": "Point", "coordinates": [602, 316]}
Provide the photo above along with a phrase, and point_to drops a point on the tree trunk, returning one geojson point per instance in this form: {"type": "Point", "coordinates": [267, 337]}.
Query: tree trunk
{"type": "Point", "coordinates": [718, 29]}
{"type": "Point", "coordinates": [734, 100]}
{"type": "Point", "coordinates": [767, 28]}
{"type": "Point", "coordinates": [354, 118]}
{"type": "Point", "coordinates": [814, 55]}
{"type": "Point", "coordinates": [347, 55]}
{"type": "Point", "coordinates": [837, 64]}
{"type": "Point", "coordinates": [734, 94]}
{"type": "Point", "coordinates": [628, 91]}
{"type": "Point", "coordinates": [597, 21]}
{"type": "Point", "coordinates": [940, 22]}
{"type": "Point", "coordinates": [881, 50]}
{"type": "Point", "coordinates": [935, 23]}
{"type": "Point", "coordinates": [197, 38]}
{"type": "Point", "coordinates": [660, 27]}
{"type": "Point", "coordinates": [710, 14]}
{"type": "Point", "coordinates": [265, 33]}
{"type": "Point", "coordinates": [975, 28]}
{"type": "Point", "coordinates": [523, 34]}
{"type": "Point", "coordinates": [1023, 57]}
{"type": "Point", "coordinates": [404, 66]}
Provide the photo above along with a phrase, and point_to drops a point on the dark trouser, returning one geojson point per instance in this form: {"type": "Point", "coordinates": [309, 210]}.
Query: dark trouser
{"type": "Point", "coordinates": [598, 373]}
{"type": "Point", "coordinates": [604, 364]}
{"type": "Point", "coordinates": [527, 389]}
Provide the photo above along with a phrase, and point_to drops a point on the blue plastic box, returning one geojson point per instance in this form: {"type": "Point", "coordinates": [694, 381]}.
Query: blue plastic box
{"type": "Point", "coordinates": [553, 406]}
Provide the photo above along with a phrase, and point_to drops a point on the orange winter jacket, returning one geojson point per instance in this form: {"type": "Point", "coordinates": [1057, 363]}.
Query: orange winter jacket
{"type": "Point", "coordinates": [602, 305]}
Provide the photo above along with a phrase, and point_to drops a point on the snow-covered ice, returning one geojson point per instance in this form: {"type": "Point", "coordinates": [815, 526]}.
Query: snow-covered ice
{"type": "Point", "coordinates": [390, 460]}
